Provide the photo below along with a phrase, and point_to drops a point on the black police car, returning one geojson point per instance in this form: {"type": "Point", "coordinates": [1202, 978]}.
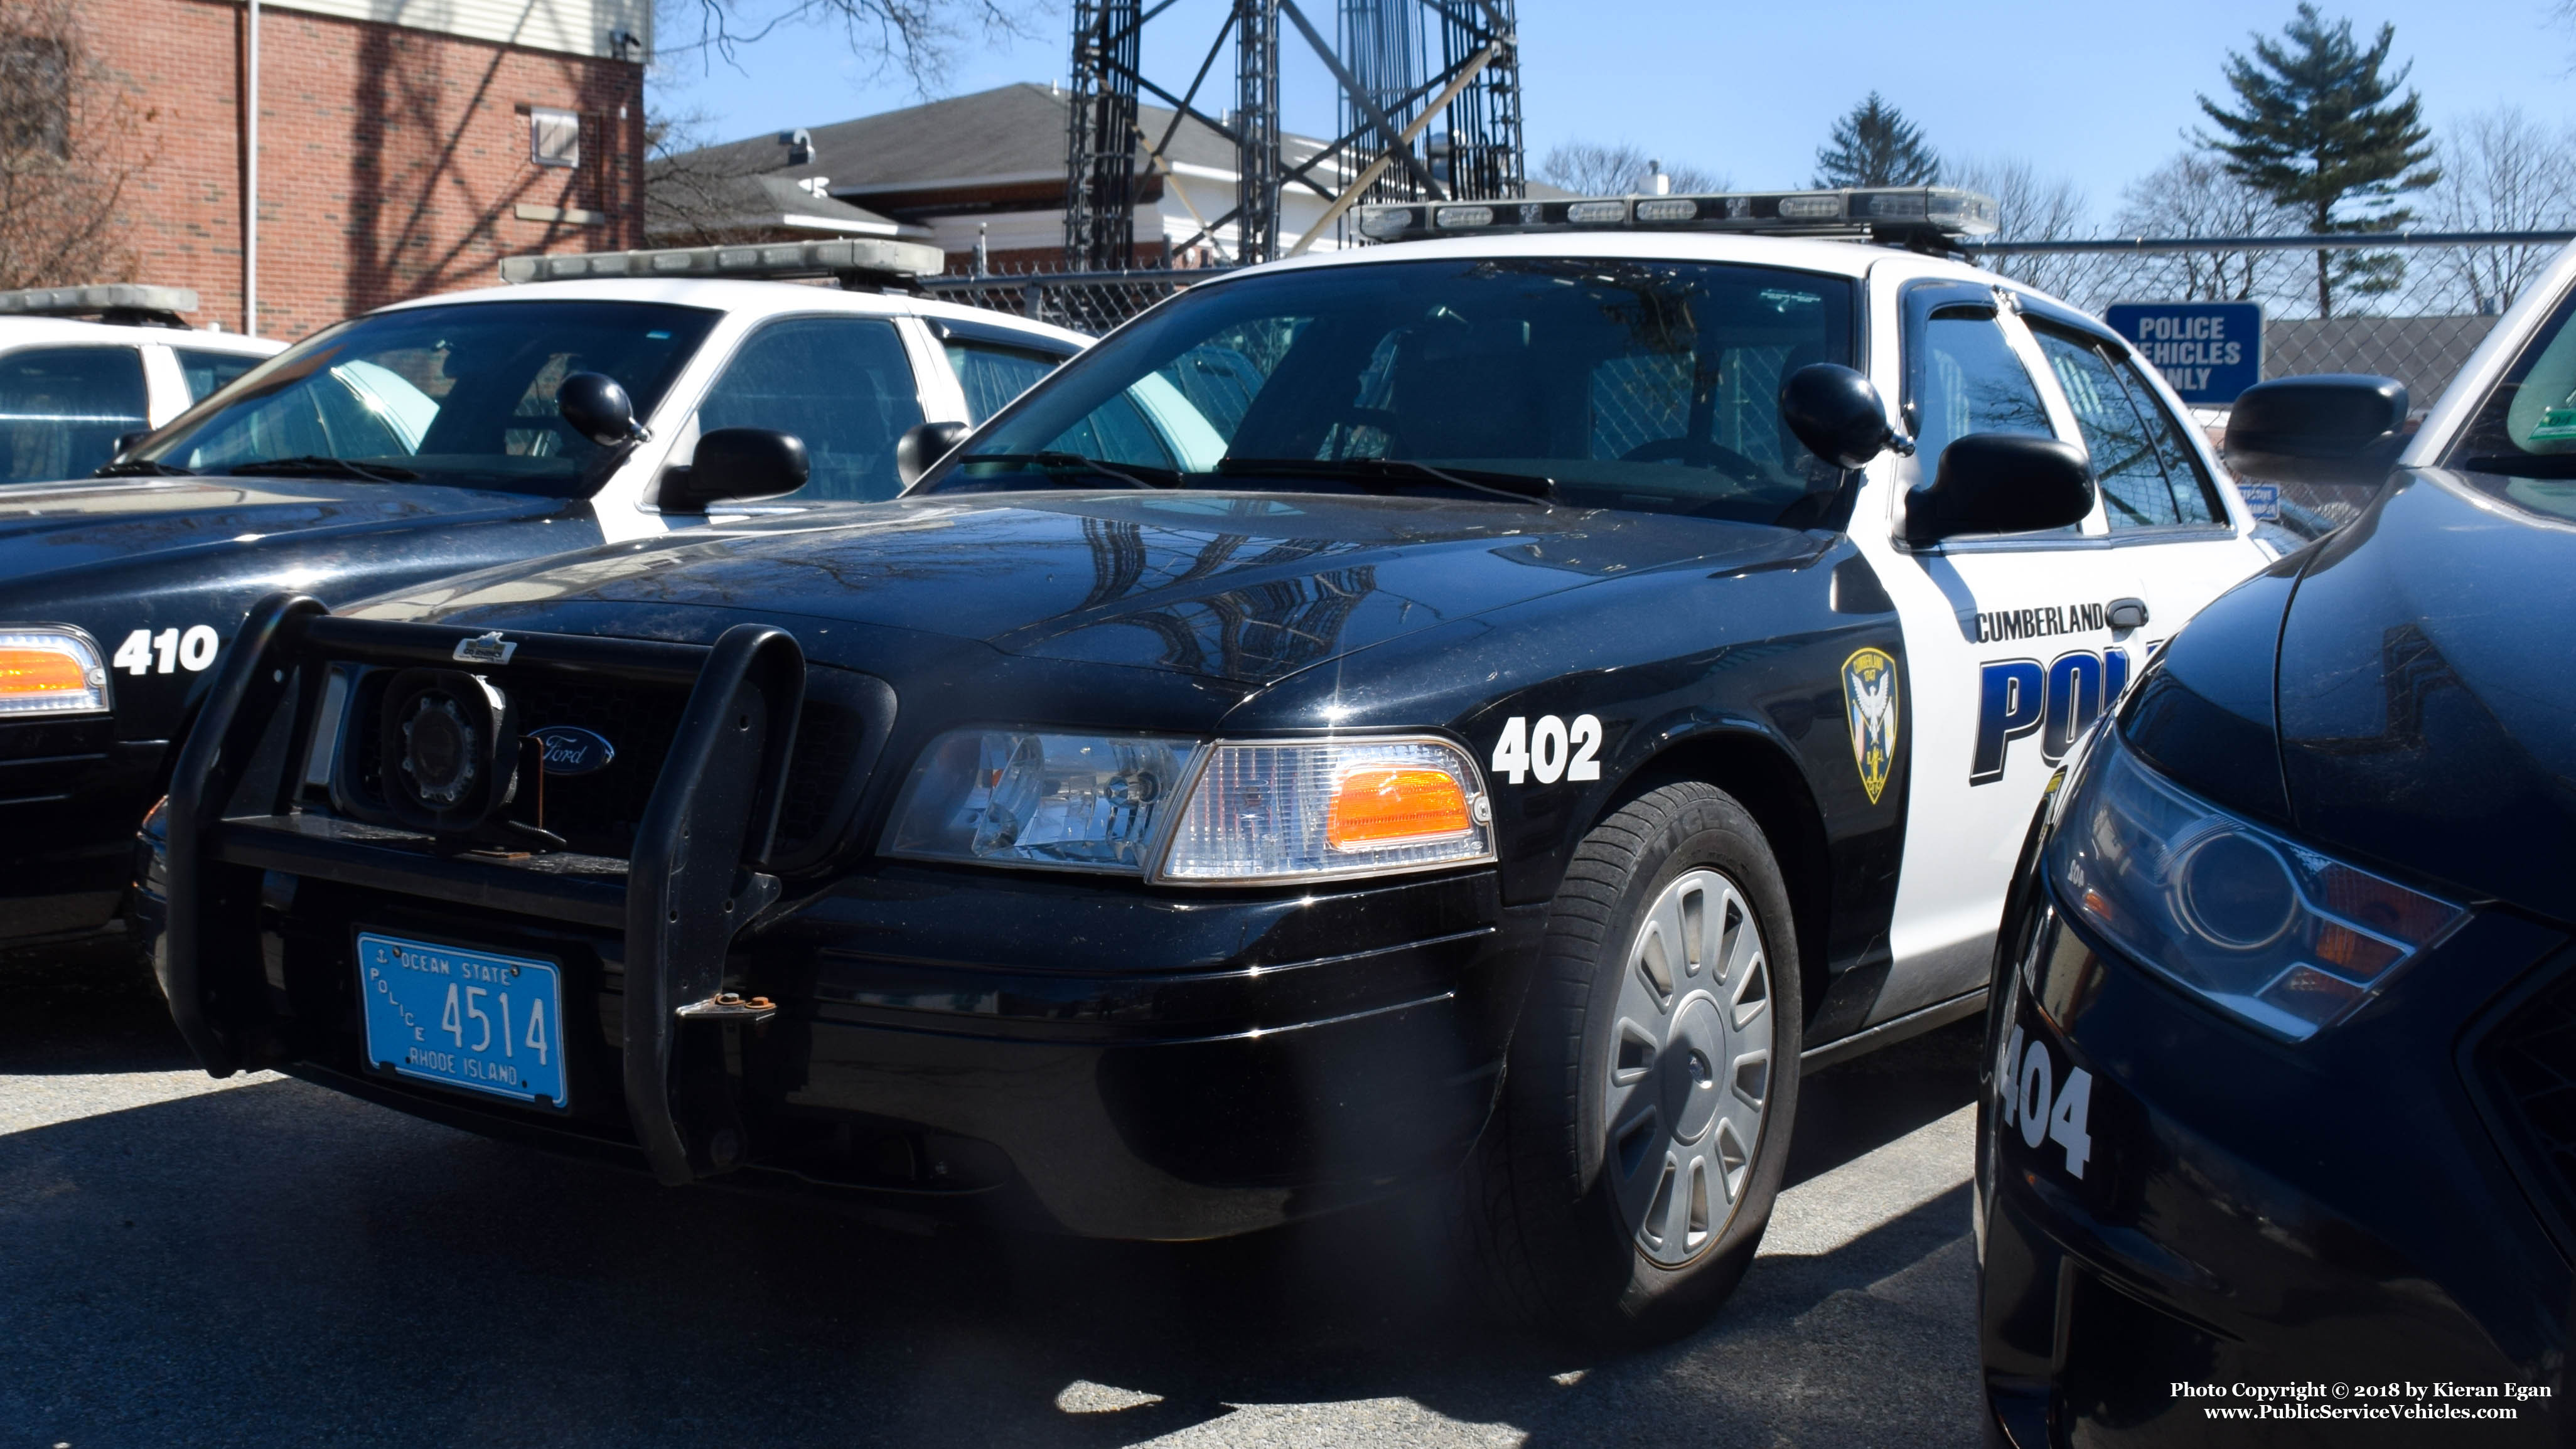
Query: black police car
{"type": "Point", "coordinates": [2281, 1135]}
{"type": "Point", "coordinates": [424, 440]}
{"type": "Point", "coordinates": [1445, 703]}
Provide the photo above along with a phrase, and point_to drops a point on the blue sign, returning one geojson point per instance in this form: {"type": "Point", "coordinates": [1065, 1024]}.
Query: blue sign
{"type": "Point", "coordinates": [2208, 351]}
{"type": "Point", "coordinates": [2263, 500]}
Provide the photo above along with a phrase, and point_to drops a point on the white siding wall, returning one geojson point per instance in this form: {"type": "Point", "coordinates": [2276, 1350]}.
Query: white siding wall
{"type": "Point", "coordinates": [575, 27]}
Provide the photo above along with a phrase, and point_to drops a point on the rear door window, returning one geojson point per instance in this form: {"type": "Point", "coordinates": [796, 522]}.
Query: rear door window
{"type": "Point", "coordinates": [843, 384]}
{"type": "Point", "coordinates": [63, 408]}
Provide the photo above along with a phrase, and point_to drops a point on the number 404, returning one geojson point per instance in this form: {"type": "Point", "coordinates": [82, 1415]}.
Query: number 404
{"type": "Point", "coordinates": [2044, 1110]}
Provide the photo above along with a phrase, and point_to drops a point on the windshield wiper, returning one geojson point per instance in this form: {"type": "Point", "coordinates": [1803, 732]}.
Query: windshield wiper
{"type": "Point", "coordinates": [1059, 459]}
{"type": "Point", "coordinates": [142, 468]}
{"type": "Point", "coordinates": [1518, 487]}
{"type": "Point", "coordinates": [313, 465]}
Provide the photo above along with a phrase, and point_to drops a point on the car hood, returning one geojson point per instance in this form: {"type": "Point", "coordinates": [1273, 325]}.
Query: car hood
{"type": "Point", "coordinates": [2427, 708]}
{"type": "Point", "coordinates": [51, 528]}
{"type": "Point", "coordinates": [1240, 586]}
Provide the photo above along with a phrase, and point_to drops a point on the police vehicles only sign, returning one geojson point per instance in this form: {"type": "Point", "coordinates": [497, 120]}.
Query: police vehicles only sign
{"type": "Point", "coordinates": [2208, 351]}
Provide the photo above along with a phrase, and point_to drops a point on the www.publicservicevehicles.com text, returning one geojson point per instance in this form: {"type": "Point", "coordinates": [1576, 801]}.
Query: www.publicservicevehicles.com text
{"type": "Point", "coordinates": [2388, 1402]}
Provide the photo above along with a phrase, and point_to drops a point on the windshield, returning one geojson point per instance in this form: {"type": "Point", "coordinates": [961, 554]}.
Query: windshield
{"type": "Point", "coordinates": [2527, 426]}
{"type": "Point", "coordinates": [1627, 384]}
{"type": "Point", "coordinates": [453, 394]}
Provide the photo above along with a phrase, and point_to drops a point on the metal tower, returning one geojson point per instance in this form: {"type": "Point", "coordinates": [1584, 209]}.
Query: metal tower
{"type": "Point", "coordinates": [1429, 104]}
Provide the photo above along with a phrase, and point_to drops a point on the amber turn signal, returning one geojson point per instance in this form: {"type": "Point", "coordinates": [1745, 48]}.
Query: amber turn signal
{"type": "Point", "coordinates": [40, 671]}
{"type": "Point", "coordinates": [1378, 805]}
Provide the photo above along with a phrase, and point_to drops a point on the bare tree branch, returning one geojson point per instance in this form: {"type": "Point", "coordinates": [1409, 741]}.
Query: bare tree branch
{"type": "Point", "coordinates": [1592, 168]}
{"type": "Point", "coordinates": [919, 37]}
{"type": "Point", "coordinates": [2501, 171]}
{"type": "Point", "coordinates": [71, 141]}
{"type": "Point", "coordinates": [2032, 207]}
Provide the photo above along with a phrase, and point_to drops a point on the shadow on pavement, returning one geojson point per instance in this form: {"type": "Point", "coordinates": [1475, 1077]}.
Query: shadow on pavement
{"type": "Point", "coordinates": [278, 1264]}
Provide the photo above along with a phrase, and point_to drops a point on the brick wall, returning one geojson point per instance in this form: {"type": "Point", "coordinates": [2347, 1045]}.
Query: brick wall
{"type": "Point", "coordinates": [393, 162]}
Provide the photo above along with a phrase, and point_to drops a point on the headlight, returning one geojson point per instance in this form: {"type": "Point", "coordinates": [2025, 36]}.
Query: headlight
{"type": "Point", "coordinates": [2282, 936]}
{"type": "Point", "coordinates": [1022, 797]}
{"type": "Point", "coordinates": [50, 671]}
{"type": "Point", "coordinates": [1252, 812]}
{"type": "Point", "coordinates": [1331, 808]}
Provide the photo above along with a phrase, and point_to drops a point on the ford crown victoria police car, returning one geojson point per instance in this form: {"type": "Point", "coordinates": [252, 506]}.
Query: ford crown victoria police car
{"type": "Point", "coordinates": [83, 367]}
{"type": "Point", "coordinates": [1505, 701]}
{"type": "Point", "coordinates": [423, 440]}
{"type": "Point", "coordinates": [2284, 1077]}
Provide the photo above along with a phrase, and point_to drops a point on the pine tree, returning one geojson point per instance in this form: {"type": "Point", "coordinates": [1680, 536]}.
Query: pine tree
{"type": "Point", "coordinates": [2317, 131]}
{"type": "Point", "coordinates": [1874, 145]}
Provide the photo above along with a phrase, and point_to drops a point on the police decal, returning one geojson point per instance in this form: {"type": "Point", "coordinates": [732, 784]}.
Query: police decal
{"type": "Point", "coordinates": [1869, 697]}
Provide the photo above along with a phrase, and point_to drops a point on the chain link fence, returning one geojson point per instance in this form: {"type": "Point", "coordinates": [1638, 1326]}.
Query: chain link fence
{"type": "Point", "coordinates": [1092, 302]}
{"type": "Point", "coordinates": [2411, 306]}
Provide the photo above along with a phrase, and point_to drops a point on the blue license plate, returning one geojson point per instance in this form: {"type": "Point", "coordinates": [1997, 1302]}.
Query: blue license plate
{"type": "Point", "coordinates": [461, 1018]}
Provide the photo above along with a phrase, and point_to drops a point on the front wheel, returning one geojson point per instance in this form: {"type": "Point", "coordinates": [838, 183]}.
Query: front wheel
{"type": "Point", "coordinates": [1630, 1168]}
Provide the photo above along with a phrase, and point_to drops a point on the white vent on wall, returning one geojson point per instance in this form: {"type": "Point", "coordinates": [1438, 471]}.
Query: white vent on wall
{"type": "Point", "coordinates": [554, 137]}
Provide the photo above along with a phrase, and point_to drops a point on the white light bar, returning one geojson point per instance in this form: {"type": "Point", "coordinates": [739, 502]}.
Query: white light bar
{"type": "Point", "coordinates": [93, 300]}
{"type": "Point", "coordinates": [1884, 213]}
{"type": "Point", "coordinates": [758, 259]}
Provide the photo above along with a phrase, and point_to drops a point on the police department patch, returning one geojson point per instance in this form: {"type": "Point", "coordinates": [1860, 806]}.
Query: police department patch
{"type": "Point", "coordinates": [1869, 695]}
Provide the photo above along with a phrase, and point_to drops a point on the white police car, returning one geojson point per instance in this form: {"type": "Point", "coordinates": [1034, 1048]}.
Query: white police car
{"type": "Point", "coordinates": [1507, 699]}
{"type": "Point", "coordinates": [427, 439]}
{"type": "Point", "coordinates": [82, 367]}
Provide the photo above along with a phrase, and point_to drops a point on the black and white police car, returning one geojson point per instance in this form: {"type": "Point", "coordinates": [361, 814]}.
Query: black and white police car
{"type": "Point", "coordinates": [428, 439]}
{"type": "Point", "coordinates": [1509, 699]}
{"type": "Point", "coordinates": [2281, 1121]}
{"type": "Point", "coordinates": [82, 368]}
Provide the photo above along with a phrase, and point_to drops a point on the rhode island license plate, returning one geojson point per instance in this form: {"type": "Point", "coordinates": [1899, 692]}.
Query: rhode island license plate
{"type": "Point", "coordinates": [471, 1019]}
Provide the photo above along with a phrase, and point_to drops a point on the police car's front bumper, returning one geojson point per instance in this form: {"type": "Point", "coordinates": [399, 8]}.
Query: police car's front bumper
{"type": "Point", "coordinates": [1118, 1059]}
{"type": "Point", "coordinates": [2279, 1233]}
{"type": "Point", "coordinates": [959, 1043]}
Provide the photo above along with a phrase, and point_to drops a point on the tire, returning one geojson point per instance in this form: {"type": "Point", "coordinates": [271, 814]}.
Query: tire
{"type": "Point", "coordinates": [1620, 1189]}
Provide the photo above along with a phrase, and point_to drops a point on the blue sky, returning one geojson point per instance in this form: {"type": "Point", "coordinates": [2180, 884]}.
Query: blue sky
{"type": "Point", "coordinates": [2095, 92]}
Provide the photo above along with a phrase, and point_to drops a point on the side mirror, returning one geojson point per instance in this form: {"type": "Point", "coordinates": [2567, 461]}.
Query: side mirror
{"type": "Point", "coordinates": [2331, 428]}
{"type": "Point", "coordinates": [2000, 483]}
{"type": "Point", "coordinates": [734, 464]}
{"type": "Point", "coordinates": [923, 445]}
{"type": "Point", "coordinates": [597, 408]}
{"type": "Point", "coordinates": [1836, 412]}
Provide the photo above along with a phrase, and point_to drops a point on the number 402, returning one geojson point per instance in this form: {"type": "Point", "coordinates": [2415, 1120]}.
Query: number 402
{"type": "Point", "coordinates": [1550, 749]}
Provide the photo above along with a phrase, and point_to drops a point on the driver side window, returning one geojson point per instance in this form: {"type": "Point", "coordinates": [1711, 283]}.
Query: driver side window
{"type": "Point", "coordinates": [1967, 379]}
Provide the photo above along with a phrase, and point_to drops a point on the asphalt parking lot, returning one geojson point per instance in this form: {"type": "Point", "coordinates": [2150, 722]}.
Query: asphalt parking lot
{"type": "Point", "coordinates": [263, 1262]}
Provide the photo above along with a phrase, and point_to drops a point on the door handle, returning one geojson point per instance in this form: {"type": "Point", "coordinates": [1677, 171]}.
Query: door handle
{"type": "Point", "coordinates": [2127, 614]}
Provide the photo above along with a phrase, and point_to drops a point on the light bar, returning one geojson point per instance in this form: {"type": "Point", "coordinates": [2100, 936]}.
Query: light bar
{"type": "Point", "coordinates": [769, 260]}
{"type": "Point", "coordinates": [91, 301]}
{"type": "Point", "coordinates": [1886, 213]}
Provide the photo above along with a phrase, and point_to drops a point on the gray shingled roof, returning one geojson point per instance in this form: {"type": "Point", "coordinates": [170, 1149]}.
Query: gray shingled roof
{"type": "Point", "coordinates": [1010, 133]}
{"type": "Point", "coordinates": [684, 201]}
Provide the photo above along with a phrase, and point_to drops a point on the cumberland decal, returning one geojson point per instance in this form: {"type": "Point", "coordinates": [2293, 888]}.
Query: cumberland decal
{"type": "Point", "coordinates": [2045, 622]}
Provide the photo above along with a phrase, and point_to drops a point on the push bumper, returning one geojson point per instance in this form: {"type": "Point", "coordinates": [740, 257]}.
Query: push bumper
{"type": "Point", "coordinates": [1113, 1060]}
{"type": "Point", "coordinates": [2306, 1238]}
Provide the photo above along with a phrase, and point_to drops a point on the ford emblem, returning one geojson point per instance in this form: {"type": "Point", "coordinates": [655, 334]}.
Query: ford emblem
{"type": "Point", "coordinates": [572, 750]}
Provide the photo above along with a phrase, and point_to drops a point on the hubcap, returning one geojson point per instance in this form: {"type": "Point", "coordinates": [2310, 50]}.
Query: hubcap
{"type": "Point", "coordinates": [1689, 1068]}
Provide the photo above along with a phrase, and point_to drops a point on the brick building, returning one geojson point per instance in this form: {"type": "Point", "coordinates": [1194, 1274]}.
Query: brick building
{"type": "Point", "coordinates": [404, 146]}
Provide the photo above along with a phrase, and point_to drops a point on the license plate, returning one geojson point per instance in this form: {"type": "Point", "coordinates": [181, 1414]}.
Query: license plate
{"type": "Point", "coordinates": [462, 1018]}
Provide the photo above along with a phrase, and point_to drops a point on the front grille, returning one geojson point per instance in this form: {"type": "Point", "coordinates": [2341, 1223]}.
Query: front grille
{"type": "Point", "coordinates": [837, 733]}
{"type": "Point", "coordinates": [598, 813]}
{"type": "Point", "coordinates": [2530, 1064]}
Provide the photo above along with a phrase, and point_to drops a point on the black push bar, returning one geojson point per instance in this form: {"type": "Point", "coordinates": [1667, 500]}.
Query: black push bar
{"type": "Point", "coordinates": [696, 877]}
